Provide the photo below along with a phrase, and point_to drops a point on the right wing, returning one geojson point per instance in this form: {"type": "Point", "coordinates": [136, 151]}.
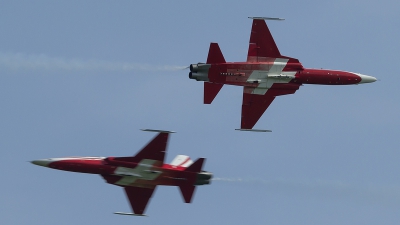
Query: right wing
{"type": "Point", "coordinates": [139, 198]}
{"type": "Point", "coordinates": [255, 102]}
{"type": "Point", "coordinates": [215, 55]}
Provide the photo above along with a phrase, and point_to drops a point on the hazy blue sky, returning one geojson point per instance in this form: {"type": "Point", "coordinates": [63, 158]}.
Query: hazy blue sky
{"type": "Point", "coordinates": [80, 78]}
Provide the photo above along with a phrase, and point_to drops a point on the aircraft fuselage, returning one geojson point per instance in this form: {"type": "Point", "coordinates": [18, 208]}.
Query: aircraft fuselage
{"type": "Point", "coordinates": [123, 173]}
{"type": "Point", "coordinates": [252, 74]}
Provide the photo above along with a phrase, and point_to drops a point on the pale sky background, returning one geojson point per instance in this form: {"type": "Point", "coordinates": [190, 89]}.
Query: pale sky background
{"type": "Point", "coordinates": [80, 78]}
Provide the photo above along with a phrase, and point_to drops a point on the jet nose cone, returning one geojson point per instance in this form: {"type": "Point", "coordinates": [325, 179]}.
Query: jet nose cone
{"type": "Point", "coordinates": [42, 162]}
{"type": "Point", "coordinates": [366, 79]}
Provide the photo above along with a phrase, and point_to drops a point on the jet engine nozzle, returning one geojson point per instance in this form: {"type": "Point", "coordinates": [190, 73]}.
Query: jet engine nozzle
{"type": "Point", "coordinates": [203, 178]}
{"type": "Point", "coordinates": [199, 71]}
{"type": "Point", "coordinates": [193, 68]}
{"type": "Point", "coordinates": [199, 76]}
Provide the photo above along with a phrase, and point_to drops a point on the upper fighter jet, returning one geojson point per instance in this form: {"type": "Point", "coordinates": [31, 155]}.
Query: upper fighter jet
{"type": "Point", "coordinates": [139, 175]}
{"type": "Point", "coordinates": [265, 75]}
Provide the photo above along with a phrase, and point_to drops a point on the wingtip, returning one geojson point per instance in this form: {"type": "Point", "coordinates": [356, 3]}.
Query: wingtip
{"type": "Point", "coordinates": [265, 18]}
{"type": "Point", "coordinates": [129, 214]}
{"type": "Point", "coordinates": [159, 131]}
{"type": "Point", "coordinates": [254, 130]}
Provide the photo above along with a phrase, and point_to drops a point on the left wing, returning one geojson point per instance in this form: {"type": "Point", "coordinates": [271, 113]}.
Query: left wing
{"type": "Point", "coordinates": [154, 151]}
{"type": "Point", "coordinates": [139, 198]}
{"type": "Point", "coordinates": [261, 44]}
{"type": "Point", "coordinates": [255, 102]}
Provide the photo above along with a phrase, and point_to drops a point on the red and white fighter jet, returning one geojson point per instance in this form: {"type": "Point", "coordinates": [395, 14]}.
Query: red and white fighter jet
{"type": "Point", "coordinates": [139, 175]}
{"type": "Point", "coordinates": [265, 75]}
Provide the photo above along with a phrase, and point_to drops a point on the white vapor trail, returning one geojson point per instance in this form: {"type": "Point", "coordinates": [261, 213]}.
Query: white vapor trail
{"type": "Point", "coordinates": [370, 193]}
{"type": "Point", "coordinates": [18, 61]}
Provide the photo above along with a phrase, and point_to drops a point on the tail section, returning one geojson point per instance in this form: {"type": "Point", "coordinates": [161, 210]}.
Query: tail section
{"type": "Point", "coordinates": [215, 54]}
{"type": "Point", "coordinates": [188, 188]}
{"type": "Point", "coordinates": [201, 72]}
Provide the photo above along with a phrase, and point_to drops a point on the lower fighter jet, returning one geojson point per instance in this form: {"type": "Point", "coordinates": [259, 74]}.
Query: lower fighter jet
{"type": "Point", "coordinates": [139, 175]}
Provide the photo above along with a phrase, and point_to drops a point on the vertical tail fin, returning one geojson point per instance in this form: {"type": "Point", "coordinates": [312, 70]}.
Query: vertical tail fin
{"type": "Point", "coordinates": [188, 189]}
{"type": "Point", "coordinates": [215, 54]}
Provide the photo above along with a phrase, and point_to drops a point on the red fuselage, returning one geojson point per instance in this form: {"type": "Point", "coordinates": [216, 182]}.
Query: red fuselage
{"type": "Point", "coordinates": [237, 73]}
{"type": "Point", "coordinates": [139, 175]}
{"type": "Point", "coordinates": [124, 173]}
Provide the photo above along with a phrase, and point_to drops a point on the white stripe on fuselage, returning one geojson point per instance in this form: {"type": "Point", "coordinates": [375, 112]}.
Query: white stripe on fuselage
{"type": "Point", "coordinates": [266, 78]}
{"type": "Point", "coordinates": [74, 158]}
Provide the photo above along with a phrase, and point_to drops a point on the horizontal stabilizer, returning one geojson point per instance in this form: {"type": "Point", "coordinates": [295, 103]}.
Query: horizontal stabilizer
{"type": "Point", "coordinates": [188, 189]}
{"type": "Point", "coordinates": [187, 192]}
{"type": "Point", "coordinates": [210, 91]}
{"type": "Point", "coordinates": [215, 54]}
{"type": "Point", "coordinates": [196, 166]}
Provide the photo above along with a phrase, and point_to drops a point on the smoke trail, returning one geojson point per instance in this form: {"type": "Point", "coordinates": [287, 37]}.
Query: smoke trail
{"type": "Point", "coordinates": [363, 193]}
{"type": "Point", "coordinates": [18, 61]}
{"type": "Point", "coordinates": [282, 183]}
